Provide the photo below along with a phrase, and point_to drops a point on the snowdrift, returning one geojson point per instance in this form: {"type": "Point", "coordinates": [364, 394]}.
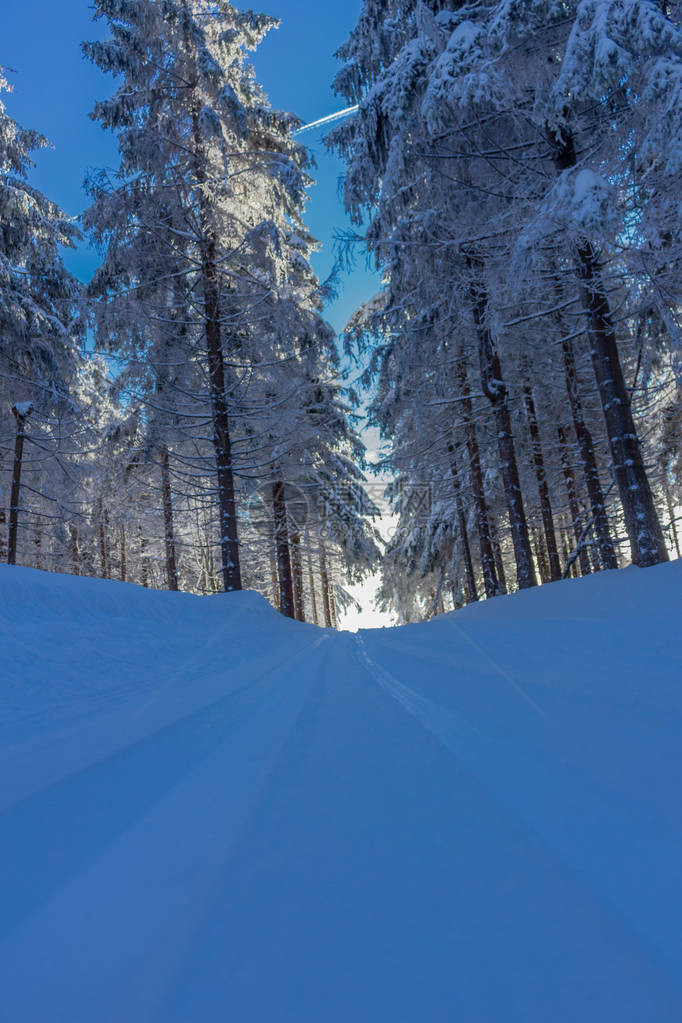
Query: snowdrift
{"type": "Point", "coordinates": [208, 812]}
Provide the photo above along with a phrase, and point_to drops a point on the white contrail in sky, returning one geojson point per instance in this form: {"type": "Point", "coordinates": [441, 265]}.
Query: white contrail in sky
{"type": "Point", "coordinates": [326, 120]}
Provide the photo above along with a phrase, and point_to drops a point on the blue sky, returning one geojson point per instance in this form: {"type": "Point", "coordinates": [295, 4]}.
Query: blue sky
{"type": "Point", "coordinates": [55, 89]}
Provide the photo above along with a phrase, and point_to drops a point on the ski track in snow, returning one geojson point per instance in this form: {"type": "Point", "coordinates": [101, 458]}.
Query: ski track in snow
{"type": "Point", "coordinates": [311, 826]}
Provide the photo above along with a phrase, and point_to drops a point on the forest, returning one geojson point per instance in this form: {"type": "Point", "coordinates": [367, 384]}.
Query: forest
{"type": "Point", "coordinates": [341, 512]}
{"type": "Point", "coordinates": [186, 418]}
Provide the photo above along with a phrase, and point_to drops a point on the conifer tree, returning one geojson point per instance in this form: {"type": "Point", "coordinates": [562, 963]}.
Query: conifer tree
{"type": "Point", "coordinates": [515, 165]}
{"type": "Point", "coordinates": [205, 296]}
{"type": "Point", "coordinates": [40, 342]}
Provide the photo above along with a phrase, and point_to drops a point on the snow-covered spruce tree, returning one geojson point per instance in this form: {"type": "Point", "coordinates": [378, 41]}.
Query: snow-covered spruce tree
{"type": "Point", "coordinates": [206, 172]}
{"type": "Point", "coordinates": [340, 508]}
{"type": "Point", "coordinates": [602, 87]}
{"type": "Point", "coordinates": [298, 442]}
{"type": "Point", "coordinates": [206, 295]}
{"type": "Point", "coordinates": [454, 155]}
{"type": "Point", "coordinates": [577, 98]}
{"type": "Point", "coordinates": [384, 145]}
{"type": "Point", "coordinates": [309, 501]}
{"type": "Point", "coordinates": [426, 463]}
{"type": "Point", "coordinates": [40, 336]}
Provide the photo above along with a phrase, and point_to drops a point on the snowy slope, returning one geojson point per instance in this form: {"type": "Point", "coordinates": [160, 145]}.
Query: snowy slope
{"type": "Point", "coordinates": [210, 813]}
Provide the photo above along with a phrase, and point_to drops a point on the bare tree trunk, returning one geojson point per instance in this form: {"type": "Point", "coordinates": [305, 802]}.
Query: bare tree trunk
{"type": "Point", "coordinates": [75, 551]}
{"type": "Point", "coordinates": [124, 568]}
{"type": "Point", "coordinates": [540, 556]}
{"type": "Point", "coordinates": [15, 494]}
{"type": "Point", "coordinates": [324, 583]}
{"type": "Point", "coordinates": [210, 568]}
{"type": "Point", "coordinates": [144, 565]}
{"type": "Point", "coordinates": [274, 581]}
{"type": "Point", "coordinates": [673, 525]}
{"type": "Point", "coordinates": [457, 601]}
{"type": "Point", "coordinates": [491, 581]}
{"type": "Point", "coordinates": [566, 555]}
{"type": "Point", "coordinates": [641, 518]}
{"type": "Point", "coordinates": [168, 525]}
{"type": "Point", "coordinates": [588, 458]}
{"type": "Point", "coordinates": [462, 528]}
{"type": "Point", "coordinates": [103, 544]}
{"type": "Point", "coordinates": [495, 390]}
{"type": "Point", "coordinates": [499, 563]}
{"type": "Point", "coordinates": [466, 550]}
{"type": "Point", "coordinates": [572, 493]}
{"type": "Point", "coordinates": [554, 566]}
{"type": "Point", "coordinates": [228, 533]}
{"type": "Point", "coordinates": [332, 605]}
{"type": "Point", "coordinates": [38, 543]}
{"type": "Point", "coordinates": [297, 576]}
{"type": "Point", "coordinates": [229, 542]}
{"type": "Point", "coordinates": [311, 587]}
{"type": "Point", "coordinates": [286, 589]}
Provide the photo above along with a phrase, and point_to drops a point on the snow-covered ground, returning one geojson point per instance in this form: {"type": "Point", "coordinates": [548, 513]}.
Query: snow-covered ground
{"type": "Point", "coordinates": [209, 813]}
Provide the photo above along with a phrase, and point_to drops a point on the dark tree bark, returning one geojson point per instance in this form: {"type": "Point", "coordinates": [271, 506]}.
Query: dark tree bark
{"type": "Point", "coordinates": [103, 545]}
{"type": "Point", "coordinates": [572, 568]}
{"type": "Point", "coordinates": [499, 563]}
{"type": "Point", "coordinates": [540, 556]}
{"type": "Point", "coordinates": [311, 586]}
{"type": "Point", "coordinates": [38, 543]}
{"type": "Point", "coordinates": [209, 566]}
{"type": "Point", "coordinates": [15, 494]}
{"type": "Point", "coordinates": [75, 550]}
{"type": "Point", "coordinates": [553, 564]}
{"type": "Point", "coordinates": [297, 576]}
{"type": "Point", "coordinates": [286, 588]}
{"type": "Point", "coordinates": [495, 390]}
{"type": "Point", "coordinates": [470, 575]}
{"type": "Point", "coordinates": [588, 458]}
{"type": "Point", "coordinates": [491, 580]}
{"type": "Point", "coordinates": [466, 550]}
{"type": "Point", "coordinates": [274, 580]}
{"type": "Point", "coordinates": [673, 525]}
{"type": "Point", "coordinates": [573, 503]}
{"type": "Point", "coordinates": [144, 565]}
{"type": "Point", "coordinates": [641, 518]}
{"type": "Point", "coordinates": [326, 589]}
{"type": "Point", "coordinates": [123, 565]}
{"type": "Point", "coordinates": [229, 539]}
{"type": "Point", "coordinates": [168, 525]}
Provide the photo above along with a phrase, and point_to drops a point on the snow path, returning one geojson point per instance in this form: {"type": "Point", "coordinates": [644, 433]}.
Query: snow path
{"type": "Point", "coordinates": [472, 819]}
